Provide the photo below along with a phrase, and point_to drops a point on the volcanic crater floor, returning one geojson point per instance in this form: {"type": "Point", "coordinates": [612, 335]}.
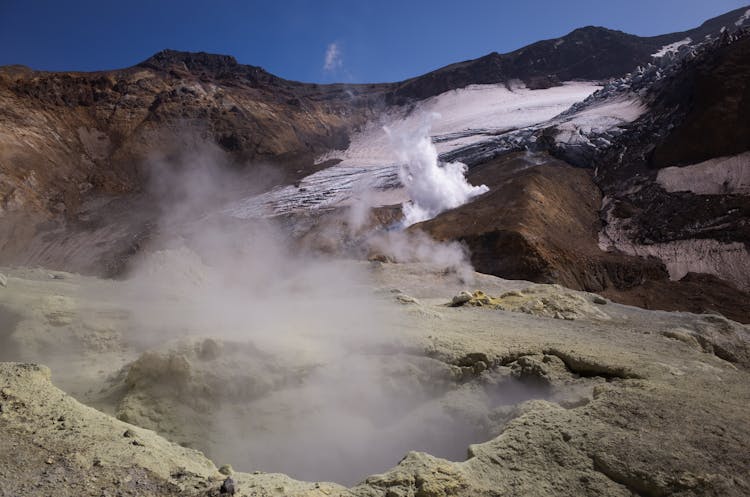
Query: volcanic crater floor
{"type": "Point", "coordinates": [522, 389]}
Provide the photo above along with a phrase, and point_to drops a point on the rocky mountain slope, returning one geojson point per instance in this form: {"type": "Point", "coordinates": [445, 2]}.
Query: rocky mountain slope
{"type": "Point", "coordinates": [77, 150]}
{"type": "Point", "coordinates": [697, 130]}
{"type": "Point", "coordinates": [673, 185]}
{"type": "Point", "coordinates": [79, 154]}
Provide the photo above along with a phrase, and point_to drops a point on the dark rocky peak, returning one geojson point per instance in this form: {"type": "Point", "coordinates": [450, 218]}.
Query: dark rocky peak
{"type": "Point", "coordinates": [206, 66]}
{"type": "Point", "coordinates": [596, 33]}
{"type": "Point", "coordinates": [193, 61]}
{"type": "Point", "coordinates": [698, 99]}
{"type": "Point", "coordinates": [729, 21]}
{"type": "Point", "coordinates": [592, 53]}
{"type": "Point", "coordinates": [702, 103]}
{"type": "Point", "coordinates": [698, 103]}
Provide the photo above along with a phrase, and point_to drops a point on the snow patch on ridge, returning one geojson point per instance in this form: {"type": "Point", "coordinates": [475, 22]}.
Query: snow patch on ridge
{"type": "Point", "coordinates": [463, 117]}
{"type": "Point", "coordinates": [598, 118]}
{"type": "Point", "coordinates": [744, 17]}
{"type": "Point", "coordinates": [672, 47]}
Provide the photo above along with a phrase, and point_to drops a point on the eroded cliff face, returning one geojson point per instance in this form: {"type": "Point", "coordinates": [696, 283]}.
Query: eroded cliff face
{"type": "Point", "coordinates": [675, 182]}
{"type": "Point", "coordinates": [541, 222]}
{"type": "Point", "coordinates": [81, 153]}
{"type": "Point", "coordinates": [656, 211]}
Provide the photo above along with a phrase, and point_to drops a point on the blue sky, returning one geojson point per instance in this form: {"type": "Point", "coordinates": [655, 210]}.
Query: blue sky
{"type": "Point", "coordinates": [366, 41]}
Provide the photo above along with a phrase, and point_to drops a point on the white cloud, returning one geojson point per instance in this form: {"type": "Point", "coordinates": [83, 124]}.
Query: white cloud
{"type": "Point", "coordinates": [333, 59]}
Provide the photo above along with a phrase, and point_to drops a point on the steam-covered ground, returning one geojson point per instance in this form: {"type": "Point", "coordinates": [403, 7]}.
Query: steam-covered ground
{"type": "Point", "coordinates": [261, 366]}
{"type": "Point", "coordinates": [227, 337]}
{"type": "Point", "coordinates": [338, 374]}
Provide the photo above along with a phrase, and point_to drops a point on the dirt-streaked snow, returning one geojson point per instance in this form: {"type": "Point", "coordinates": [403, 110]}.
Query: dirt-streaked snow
{"type": "Point", "coordinates": [720, 176]}
{"type": "Point", "coordinates": [729, 261]}
{"type": "Point", "coordinates": [467, 115]}
{"type": "Point", "coordinates": [599, 118]}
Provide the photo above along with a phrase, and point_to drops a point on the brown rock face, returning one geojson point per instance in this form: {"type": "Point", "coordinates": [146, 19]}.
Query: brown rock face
{"type": "Point", "coordinates": [541, 223]}
{"type": "Point", "coordinates": [695, 292]}
{"type": "Point", "coordinates": [63, 135]}
{"type": "Point", "coordinates": [78, 149]}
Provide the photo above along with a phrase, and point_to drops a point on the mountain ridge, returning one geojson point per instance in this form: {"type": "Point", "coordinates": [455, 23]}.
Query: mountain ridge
{"type": "Point", "coordinates": [160, 59]}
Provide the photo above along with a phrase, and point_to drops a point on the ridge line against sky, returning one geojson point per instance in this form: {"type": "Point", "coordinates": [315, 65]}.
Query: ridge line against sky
{"type": "Point", "coordinates": [325, 41]}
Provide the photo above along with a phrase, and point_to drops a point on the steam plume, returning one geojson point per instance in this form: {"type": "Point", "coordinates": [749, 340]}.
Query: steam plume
{"type": "Point", "coordinates": [275, 360]}
{"type": "Point", "coordinates": [432, 187]}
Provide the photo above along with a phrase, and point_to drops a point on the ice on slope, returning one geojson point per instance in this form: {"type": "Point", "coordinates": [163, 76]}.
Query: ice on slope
{"type": "Point", "coordinates": [461, 117]}
{"type": "Point", "coordinates": [465, 116]}
{"type": "Point", "coordinates": [718, 176]}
